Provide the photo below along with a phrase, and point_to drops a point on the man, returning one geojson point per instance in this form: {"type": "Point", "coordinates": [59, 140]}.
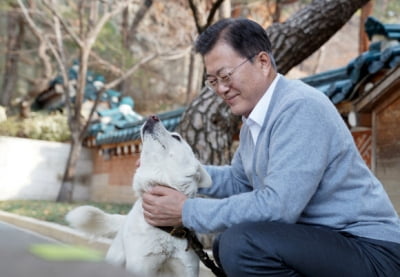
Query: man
{"type": "Point", "coordinates": [297, 199]}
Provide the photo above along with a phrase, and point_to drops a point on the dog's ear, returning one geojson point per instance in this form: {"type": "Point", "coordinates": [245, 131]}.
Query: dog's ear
{"type": "Point", "coordinates": [204, 180]}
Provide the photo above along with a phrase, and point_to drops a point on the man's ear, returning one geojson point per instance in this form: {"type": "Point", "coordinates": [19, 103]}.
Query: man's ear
{"type": "Point", "coordinates": [265, 61]}
{"type": "Point", "coordinates": [204, 179]}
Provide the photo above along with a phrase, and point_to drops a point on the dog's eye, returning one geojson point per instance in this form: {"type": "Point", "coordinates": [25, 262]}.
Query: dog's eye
{"type": "Point", "coordinates": [177, 137]}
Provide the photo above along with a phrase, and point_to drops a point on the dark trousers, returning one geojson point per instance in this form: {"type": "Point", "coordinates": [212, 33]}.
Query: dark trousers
{"type": "Point", "coordinates": [278, 249]}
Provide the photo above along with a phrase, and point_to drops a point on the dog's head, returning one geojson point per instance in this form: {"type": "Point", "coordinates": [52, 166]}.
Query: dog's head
{"type": "Point", "coordinates": [167, 159]}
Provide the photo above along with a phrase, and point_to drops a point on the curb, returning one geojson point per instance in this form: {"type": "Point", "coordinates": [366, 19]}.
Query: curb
{"type": "Point", "coordinates": [56, 231]}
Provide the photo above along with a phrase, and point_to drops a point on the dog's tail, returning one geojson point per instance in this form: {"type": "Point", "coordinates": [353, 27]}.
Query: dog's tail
{"type": "Point", "coordinates": [94, 221]}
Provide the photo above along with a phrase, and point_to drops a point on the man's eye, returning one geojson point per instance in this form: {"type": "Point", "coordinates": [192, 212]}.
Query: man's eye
{"type": "Point", "coordinates": [225, 78]}
{"type": "Point", "coordinates": [212, 82]}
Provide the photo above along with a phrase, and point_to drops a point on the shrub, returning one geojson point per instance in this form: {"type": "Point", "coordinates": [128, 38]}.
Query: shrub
{"type": "Point", "coordinates": [43, 126]}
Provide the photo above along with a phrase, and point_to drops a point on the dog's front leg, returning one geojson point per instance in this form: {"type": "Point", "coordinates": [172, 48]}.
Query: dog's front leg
{"type": "Point", "coordinates": [116, 254]}
{"type": "Point", "coordinates": [189, 261]}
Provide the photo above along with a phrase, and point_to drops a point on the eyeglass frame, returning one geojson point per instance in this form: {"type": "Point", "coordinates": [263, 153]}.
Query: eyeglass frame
{"type": "Point", "coordinates": [225, 80]}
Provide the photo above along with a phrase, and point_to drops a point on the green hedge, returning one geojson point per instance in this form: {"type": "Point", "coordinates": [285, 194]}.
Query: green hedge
{"type": "Point", "coordinates": [42, 126]}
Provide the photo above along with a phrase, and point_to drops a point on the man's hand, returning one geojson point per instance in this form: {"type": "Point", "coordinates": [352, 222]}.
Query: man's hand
{"type": "Point", "coordinates": [162, 206]}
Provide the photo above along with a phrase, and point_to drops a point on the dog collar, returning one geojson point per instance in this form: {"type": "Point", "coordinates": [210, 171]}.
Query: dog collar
{"type": "Point", "coordinates": [194, 243]}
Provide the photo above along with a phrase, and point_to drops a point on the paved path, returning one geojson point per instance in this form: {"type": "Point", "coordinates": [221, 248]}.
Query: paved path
{"type": "Point", "coordinates": [18, 233]}
{"type": "Point", "coordinates": [17, 261]}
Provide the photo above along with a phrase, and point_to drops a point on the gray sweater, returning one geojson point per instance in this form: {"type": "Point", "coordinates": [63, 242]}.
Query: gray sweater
{"type": "Point", "coordinates": [304, 168]}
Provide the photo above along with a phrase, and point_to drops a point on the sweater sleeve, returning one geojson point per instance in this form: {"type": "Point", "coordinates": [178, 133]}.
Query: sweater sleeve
{"type": "Point", "coordinates": [227, 180]}
{"type": "Point", "coordinates": [291, 157]}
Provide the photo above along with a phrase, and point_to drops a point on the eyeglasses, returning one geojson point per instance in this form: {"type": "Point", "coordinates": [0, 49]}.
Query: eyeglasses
{"type": "Point", "coordinates": [223, 78]}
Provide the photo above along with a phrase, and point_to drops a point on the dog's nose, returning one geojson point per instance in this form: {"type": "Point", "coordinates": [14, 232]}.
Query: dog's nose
{"type": "Point", "coordinates": [154, 117]}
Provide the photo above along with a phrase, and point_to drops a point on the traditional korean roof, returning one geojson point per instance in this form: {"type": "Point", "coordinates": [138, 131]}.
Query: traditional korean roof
{"type": "Point", "coordinates": [115, 123]}
{"type": "Point", "coordinates": [375, 27]}
{"type": "Point", "coordinates": [125, 131]}
{"type": "Point", "coordinates": [340, 84]}
{"type": "Point", "coordinates": [52, 98]}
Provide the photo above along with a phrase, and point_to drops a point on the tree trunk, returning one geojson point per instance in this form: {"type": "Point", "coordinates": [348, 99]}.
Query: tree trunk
{"type": "Point", "coordinates": [301, 35]}
{"type": "Point", "coordinates": [189, 87]}
{"type": "Point", "coordinates": [15, 36]}
{"type": "Point", "coordinates": [67, 185]}
{"type": "Point", "coordinates": [146, 5]}
{"type": "Point", "coordinates": [208, 124]}
{"type": "Point", "coordinates": [75, 122]}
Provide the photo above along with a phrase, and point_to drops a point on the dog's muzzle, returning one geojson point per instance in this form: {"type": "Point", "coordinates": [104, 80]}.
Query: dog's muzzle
{"type": "Point", "coordinates": [151, 121]}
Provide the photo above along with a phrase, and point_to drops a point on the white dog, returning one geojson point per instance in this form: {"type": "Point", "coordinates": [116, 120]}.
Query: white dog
{"type": "Point", "coordinates": [145, 250]}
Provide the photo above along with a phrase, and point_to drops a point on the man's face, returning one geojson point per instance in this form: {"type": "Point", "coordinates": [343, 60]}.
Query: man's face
{"type": "Point", "coordinates": [248, 82]}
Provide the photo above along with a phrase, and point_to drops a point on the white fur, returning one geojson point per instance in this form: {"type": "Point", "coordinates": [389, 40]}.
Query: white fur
{"type": "Point", "coordinates": [143, 249]}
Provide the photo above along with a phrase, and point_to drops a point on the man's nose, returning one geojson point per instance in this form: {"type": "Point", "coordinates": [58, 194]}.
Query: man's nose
{"type": "Point", "coordinates": [222, 88]}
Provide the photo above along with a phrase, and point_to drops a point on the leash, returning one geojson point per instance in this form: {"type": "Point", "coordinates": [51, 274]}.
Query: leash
{"type": "Point", "coordinates": [194, 243]}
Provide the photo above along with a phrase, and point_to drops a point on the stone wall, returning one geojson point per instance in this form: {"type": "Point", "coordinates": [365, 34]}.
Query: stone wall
{"type": "Point", "coordinates": [32, 169]}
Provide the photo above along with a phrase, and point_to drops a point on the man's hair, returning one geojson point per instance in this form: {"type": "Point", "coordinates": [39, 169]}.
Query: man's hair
{"type": "Point", "coordinates": [245, 36]}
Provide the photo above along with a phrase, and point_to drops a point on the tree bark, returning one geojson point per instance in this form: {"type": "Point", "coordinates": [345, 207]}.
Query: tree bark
{"type": "Point", "coordinates": [15, 36]}
{"type": "Point", "coordinates": [189, 86]}
{"type": "Point", "coordinates": [146, 5]}
{"type": "Point", "coordinates": [302, 34]}
{"type": "Point", "coordinates": [67, 186]}
{"type": "Point", "coordinates": [208, 125]}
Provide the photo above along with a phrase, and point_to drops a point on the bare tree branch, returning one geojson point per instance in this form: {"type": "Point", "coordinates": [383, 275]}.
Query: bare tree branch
{"type": "Point", "coordinates": [212, 12]}
{"type": "Point", "coordinates": [64, 24]}
{"type": "Point", "coordinates": [103, 20]}
{"type": "Point", "coordinates": [195, 12]}
{"type": "Point", "coordinates": [42, 37]}
{"type": "Point", "coordinates": [176, 54]}
{"type": "Point", "coordinates": [60, 45]}
{"type": "Point", "coordinates": [45, 60]}
{"type": "Point", "coordinates": [138, 18]}
{"type": "Point", "coordinates": [106, 64]}
{"type": "Point", "coordinates": [200, 28]}
{"type": "Point", "coordinates": [130, 71]}
{"type": "Point", "coordinates": [111, 85]}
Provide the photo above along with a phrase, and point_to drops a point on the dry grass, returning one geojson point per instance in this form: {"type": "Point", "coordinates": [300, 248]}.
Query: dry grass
{"type": "Point", "coordinates": [54, 211]}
